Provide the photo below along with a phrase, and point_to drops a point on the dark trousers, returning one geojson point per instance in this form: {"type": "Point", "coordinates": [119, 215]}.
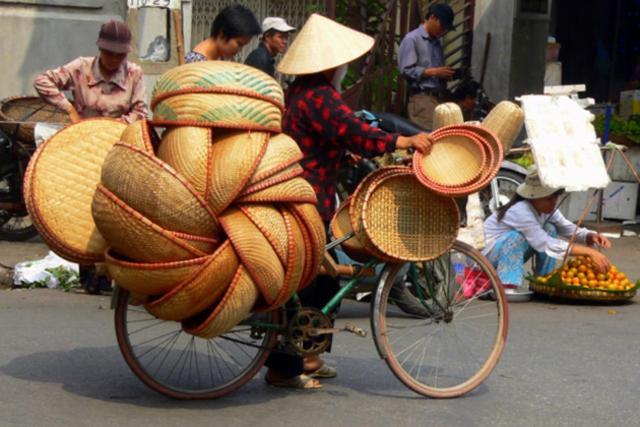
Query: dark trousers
{"type": "Point", "coordinates": [316, 295]}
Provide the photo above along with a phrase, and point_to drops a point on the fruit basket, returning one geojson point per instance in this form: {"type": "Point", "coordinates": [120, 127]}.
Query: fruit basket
{"type": "Point", "coordinates": [578, 280]}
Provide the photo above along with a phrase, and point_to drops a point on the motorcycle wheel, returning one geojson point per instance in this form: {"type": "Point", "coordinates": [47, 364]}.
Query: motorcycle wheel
{"type": "Point", "coordinates": [15, 225]}
{"type": "Point", "coordinates": [507, 182]}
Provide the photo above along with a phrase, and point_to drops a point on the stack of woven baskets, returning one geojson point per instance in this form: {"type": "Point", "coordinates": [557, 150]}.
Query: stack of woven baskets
{"type": "Point", "coordinates": [403, 214]}
{"type": "Point", "coordinates": [203, 226]}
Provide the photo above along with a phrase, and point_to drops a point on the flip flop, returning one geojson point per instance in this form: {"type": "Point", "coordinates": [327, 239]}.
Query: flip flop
{"type": "Point", "coordinates": [304, 382]}
{"type": "Point", "coordinates": [324, 372]}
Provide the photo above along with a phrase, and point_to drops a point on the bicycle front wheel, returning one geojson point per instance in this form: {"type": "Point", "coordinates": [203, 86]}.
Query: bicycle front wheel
{"type": "Point", "coordinates": [183, 366]}
{"type": "Point", "coordinates": [452, 344]}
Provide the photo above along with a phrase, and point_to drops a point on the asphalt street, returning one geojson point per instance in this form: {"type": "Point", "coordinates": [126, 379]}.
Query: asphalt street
{"type": "Point", "coordinates": [564, 364]}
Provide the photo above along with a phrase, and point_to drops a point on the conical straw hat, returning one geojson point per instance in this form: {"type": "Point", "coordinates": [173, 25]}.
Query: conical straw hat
{"type": "Point", "coordinates": [323, 44]}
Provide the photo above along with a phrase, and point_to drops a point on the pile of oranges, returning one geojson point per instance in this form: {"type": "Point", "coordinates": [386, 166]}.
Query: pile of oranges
{"type": "Point", "coordinates": [580, 272]}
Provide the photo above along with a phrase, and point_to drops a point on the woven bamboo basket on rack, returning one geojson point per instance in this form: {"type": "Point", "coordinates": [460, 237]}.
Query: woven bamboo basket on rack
{"type": "Point", "coordinates": [154, 278]}
{"type": "Point", "coordinates": [60, 182]}
{"type": "Point", "coordinates": [406, 221]}
{"type": "Point", "coordinates": [204, 226]}
{"type": "Point", "coordinates": [357, 204]}
{"type": "Point", "coordinates": [219, 94]}
{"type": "Point", "coordinates": [340, 226]}
{"type": "Point", "coordinates": [505, 120]}
{"type": "Point", "coordinates": [491, 160]}
{"type": "Point", "coordinates": [456, 159]}
{"type": "Point", "coordinates": [446, 114]}
{"type": "Point", "coordinates": [27, 111]}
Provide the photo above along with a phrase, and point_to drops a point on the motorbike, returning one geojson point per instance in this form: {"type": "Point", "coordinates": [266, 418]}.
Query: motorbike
{"type": "Point", "coordinates": [18, 118]}
{"type": "Point", "coordinates": [15, 223]}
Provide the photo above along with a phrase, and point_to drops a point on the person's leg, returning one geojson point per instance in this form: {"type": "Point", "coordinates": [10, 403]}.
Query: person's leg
{"type": "Point", "coordinates": [317, 295]}
{"type": "Point", "coordinates": [544, 264]}
{"type": "Point", "coordinates": [421, 108]}
{"type": "Point", "coordinates": [508, 256]}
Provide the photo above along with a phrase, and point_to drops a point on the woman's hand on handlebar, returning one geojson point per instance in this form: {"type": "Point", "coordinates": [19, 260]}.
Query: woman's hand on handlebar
{"type": "Point", "coordinates": [421, 142]}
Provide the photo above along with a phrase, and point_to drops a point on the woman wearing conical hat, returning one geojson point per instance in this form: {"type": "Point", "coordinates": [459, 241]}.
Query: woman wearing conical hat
{"type": "Point", "coordinates": [324, 128]}
{"type": "Point", "coordinates": [530, 225]}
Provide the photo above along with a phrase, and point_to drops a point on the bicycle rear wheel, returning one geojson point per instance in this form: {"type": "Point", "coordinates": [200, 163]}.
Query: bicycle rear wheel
{"type": "Point", "coordinates": [452, 345]}
{"type": "Point", "coordinates": [183, 366]}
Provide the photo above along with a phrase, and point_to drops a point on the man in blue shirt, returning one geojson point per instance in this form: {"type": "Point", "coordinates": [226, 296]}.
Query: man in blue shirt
{"type": "Point", "coordinates": [421, 62]}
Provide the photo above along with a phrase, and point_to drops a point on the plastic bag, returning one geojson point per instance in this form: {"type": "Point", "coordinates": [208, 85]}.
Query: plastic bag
{"type": "Point", "coordinates": [40, 271]}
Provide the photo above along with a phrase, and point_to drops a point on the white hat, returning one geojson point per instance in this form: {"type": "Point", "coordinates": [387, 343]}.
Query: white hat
{"type": "Point", "coordinates": [276, 23]}
{"type": "Point", "coordinates": [532, 188]}
{"type": "Point", "coordinates": [323, 44]}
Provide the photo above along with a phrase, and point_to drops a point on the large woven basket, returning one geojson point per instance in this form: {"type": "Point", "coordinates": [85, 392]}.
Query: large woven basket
{"type": "Point", "coordinates": [357, 204]}
{"type": "Point", "coordinates": [152, 188]}
{"type": "Point", "coordinates": [446, 114]}
{"type": "Point", "coordinates": [456, 159]}
{"type": "Point", "coordinates": [60, 183]}
{"type": "Point", "coordinates": [140, 135]}
{"type": "Point", "coordinates": [505, 120]}
{"type": "Point", "coordinates": [236, 304]}
{"type": "Point", "coordinates": [406, 221]}
{"type": "Point", "coordinates": [340, 226]}
{"type": "Point", "coordinates": [217, 93]}
{"type": "Point", "coordinates": [187, 149]}
{"type": "Point", "coordinates": [493, 155]}
{"type": "Point", "coordinates": [150, 278]}
{"type": "Point", "coordinates": [200, 290]}
{"type": "Point", "coordinates": [137, 237]}
{"type": "Point", "coordinates": [28, 110]}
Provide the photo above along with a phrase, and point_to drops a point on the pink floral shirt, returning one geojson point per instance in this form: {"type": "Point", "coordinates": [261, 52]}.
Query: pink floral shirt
{"type": "Point", "coordinates": [122, 96]}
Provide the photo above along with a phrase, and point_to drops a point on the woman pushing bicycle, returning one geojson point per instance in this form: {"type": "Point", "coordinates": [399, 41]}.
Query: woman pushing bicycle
{"type": "Point", "coordinates": [324, 127]}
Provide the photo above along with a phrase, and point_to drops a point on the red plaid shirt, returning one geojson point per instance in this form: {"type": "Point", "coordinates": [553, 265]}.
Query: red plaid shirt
{"type": "Point", "coordinates": [324, 127]}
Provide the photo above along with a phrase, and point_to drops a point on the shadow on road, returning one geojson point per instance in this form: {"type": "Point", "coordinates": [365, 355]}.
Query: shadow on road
{"type": "Point", "coordinates": [100, 373]}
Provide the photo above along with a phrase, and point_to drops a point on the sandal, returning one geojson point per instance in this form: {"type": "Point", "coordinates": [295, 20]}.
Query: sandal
{"type": "Point", "coordinates": [304, 382]}
{"type": "Point", "coordinates": [324, 371]}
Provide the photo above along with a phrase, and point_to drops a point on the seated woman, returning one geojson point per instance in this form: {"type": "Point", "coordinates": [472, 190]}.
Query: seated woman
{"type": "Point", "coordinates": [529, 225]}
{"type": "Point", "coordinates": [233, 27]}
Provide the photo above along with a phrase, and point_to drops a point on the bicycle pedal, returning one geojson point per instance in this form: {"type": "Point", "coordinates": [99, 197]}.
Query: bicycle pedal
{"type": "Point", "coordinates": [348, 328]}
{"type": "Point", "coordinates": [355, 330]}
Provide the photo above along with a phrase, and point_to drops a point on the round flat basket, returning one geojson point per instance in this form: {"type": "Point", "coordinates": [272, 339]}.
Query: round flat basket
{"type": "Point", "coordinates": [456, 159]}
{"type": "Point", "coordinates": [357, 204]}
{"type": "Point", "coordinates": [60, 183]}
{"type": "Point", "coordinates": [408, 222]}
{"type": "Point", "coordinates": [30, 110]}
{"type": "Point", "coordinates": [581, 294]}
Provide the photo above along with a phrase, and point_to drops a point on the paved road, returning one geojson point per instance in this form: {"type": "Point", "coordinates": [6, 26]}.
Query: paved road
{"type": "Point", "coordinates": [563, 365]}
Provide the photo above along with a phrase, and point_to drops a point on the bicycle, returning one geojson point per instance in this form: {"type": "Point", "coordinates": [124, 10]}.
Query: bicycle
{"type": "Point", "coordinates": [445, 351]}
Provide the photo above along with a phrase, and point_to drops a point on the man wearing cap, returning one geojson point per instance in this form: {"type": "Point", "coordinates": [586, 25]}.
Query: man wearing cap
{"type": "Point", "coordinates": [421, 62]}
{"type": "Point", "coordinates": [529, 225]}
{"type": "Point", "coordinates": [106, 85]}
{"type": "Point", "coordinates": [275, 39]}
{"type": "Point", "coordinates": [324, 127]}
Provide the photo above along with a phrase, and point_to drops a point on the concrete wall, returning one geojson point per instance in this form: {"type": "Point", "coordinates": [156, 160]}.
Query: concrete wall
{"type": "Point", "coordinates": [36, 35]}
{"type": "Point", "coordinates": [516, 61]}
{"type": "Point", "coordinates": [495, 17]}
